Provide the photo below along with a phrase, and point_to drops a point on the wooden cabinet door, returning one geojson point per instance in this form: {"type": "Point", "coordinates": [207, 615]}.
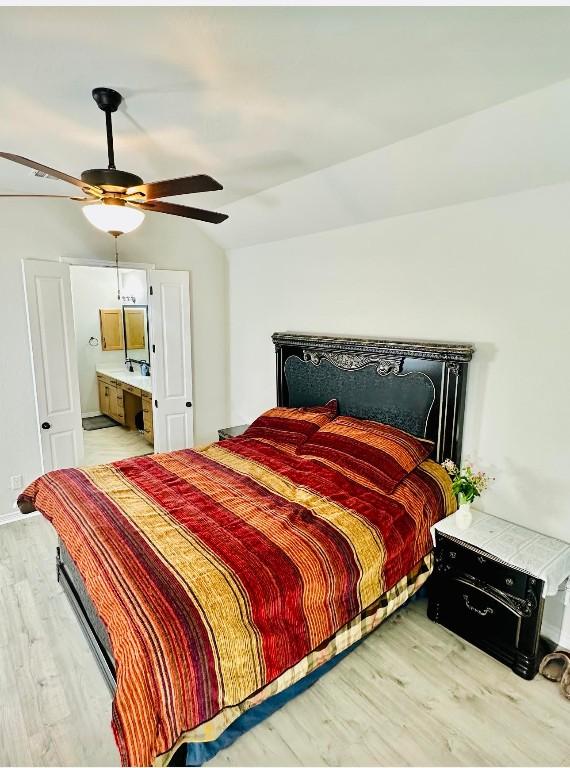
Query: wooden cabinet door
{"type": "Point", "coordinates": [111, 321]}
{"type": "Point", "coordinates": [103, 397]}
{"type": "Point", "coordinates": [113, 408]}
{"type": "Point", "coordinates": [147, 418]}
{"type": "Point", "coordinates": [135, 325]}
{"type": "Point", "coordinates": [120, 406]}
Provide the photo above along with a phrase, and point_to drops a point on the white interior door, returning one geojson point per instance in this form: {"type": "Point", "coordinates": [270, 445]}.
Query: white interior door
{"type": "Point", "coordinates": [171, 361]}
{"type": "Point", "coordinates": [52, 336]}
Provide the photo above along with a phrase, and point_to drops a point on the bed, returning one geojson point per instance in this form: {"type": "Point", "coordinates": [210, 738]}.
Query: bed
{"type": "Point", "coordinates": [214, 582]}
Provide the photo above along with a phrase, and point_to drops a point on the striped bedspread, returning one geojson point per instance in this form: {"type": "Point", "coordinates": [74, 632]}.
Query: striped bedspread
{"type": "Point", "coordinates": [216, 570]}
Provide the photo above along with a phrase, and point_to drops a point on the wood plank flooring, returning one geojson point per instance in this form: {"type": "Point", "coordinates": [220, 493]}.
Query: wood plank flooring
{"type": "Point", "coordinates": [411, 694]}
{"type": "Point", "coordinates": [111, 444]}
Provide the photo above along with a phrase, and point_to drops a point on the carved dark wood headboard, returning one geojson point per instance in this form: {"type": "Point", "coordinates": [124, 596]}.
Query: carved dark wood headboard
{"type": "Point", "coordinates": [418, 386]}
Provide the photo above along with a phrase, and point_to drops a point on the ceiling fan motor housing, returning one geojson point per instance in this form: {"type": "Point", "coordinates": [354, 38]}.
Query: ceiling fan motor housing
{"type": "Point", "coordinates": [110, 177]}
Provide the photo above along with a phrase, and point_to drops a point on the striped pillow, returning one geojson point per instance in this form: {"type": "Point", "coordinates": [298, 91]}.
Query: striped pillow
{"type": "Point", "coordinates": [291, 426]}
{"type": "Point", "coordinates": [367, 451]}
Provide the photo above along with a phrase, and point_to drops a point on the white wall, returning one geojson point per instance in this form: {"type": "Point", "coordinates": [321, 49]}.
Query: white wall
{"type": "Point", "coordinates": [133, 285]}
{"type": "Point", "coordinates": [53, 229]}
{"type": "Point", "coordinates": [95, 288]}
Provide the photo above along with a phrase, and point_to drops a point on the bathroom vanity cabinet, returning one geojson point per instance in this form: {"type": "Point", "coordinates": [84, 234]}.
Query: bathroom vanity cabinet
{"type": "Point", "coordinates": [122, 396]}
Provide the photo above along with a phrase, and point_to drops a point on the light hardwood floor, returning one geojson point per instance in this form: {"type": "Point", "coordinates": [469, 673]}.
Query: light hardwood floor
{"type": "Point", "coordinates": [412, 693]}
{"type": "Point", "coordinates": [111, 444]}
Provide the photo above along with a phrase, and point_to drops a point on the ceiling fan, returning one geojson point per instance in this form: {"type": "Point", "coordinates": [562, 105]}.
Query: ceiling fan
{"type": "Point", "coordinates": [116, 200]}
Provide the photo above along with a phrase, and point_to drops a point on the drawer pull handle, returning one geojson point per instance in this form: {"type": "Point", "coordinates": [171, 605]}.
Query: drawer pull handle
{"type": "Point", "coordinates": [483, 612]}
{"type": "Point", "coordinates": [452, 555]}
{"type": "Point", "coordinates": [481, 559]}
{"type": "Point", "coordinates": [509, 582]}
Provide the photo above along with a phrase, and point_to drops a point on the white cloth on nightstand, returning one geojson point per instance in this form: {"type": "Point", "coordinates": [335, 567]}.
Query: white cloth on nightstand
{"type": "Point", "coordinates": [541, 556]}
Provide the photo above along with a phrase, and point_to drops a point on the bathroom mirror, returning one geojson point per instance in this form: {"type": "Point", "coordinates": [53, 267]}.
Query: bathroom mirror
{"type": "Point", "coordinates": [135, 332]}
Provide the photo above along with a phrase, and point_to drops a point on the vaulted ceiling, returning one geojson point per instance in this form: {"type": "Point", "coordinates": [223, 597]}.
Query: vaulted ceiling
{"type": "Point", "coordinates": [256, 96]}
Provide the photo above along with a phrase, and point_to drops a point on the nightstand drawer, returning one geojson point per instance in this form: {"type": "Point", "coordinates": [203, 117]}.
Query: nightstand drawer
{"type": "Point", "coordinates": [458, 558]}
{"type": "Point", "coordinates": [476, 615]}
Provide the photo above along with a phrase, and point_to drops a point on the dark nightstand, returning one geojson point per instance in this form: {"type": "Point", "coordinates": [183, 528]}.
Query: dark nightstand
{"type": "Point", "coordinates": [489, 585]}
{"type": "Point", "coordinates": [227, 432]}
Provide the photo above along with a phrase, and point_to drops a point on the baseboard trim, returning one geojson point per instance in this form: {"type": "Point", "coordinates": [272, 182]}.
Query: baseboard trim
{"type": "Point", "coordinates": [16, 517]}
{"type": "Point", "coordinates": [555, 635]}
{"type": "Point", "coordinates": [564, 642]}
{"type": "Point", "coordinates": [550, 631]}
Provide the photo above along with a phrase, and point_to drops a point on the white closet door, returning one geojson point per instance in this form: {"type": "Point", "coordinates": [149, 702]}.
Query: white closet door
{"type": "Point", "coordinates": [52, 336]}
{"type": "Point", "coordinates": [171, 360]}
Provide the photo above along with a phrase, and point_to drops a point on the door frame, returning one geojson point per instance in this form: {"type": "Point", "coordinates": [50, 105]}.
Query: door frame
{"type": "Point", "coordinates": [84, 261]}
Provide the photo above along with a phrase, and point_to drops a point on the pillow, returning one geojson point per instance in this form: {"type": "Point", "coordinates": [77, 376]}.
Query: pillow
{"type": "Point", "coordinates": [367, 451]}
{"type": "Point", "coordinates": [292, 426]}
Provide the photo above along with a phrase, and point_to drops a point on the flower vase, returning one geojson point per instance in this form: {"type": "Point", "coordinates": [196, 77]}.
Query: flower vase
{"type": "Point", "coordinates": [463, 516]}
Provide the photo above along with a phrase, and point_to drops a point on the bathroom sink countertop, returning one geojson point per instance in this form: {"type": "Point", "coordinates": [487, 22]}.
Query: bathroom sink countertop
{"type": "Point", "coordinates": [122, 374]}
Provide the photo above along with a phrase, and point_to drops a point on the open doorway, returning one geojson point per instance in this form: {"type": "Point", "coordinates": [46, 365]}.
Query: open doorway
{"type": "Point", "coordinates": [163, 415]}
{"type": "Point", "coordinates": [110, 318]}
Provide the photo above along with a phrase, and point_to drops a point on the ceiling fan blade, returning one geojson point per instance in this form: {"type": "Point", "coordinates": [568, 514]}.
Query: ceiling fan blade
{"type": "Point", "coordinates": [181, 210]}
{"type": "Point", "coordinates": [52, 172]}
{"type": "Point", "coordinates": [61, 197]}
{"type": "Point", "coordinates": [169, 187]}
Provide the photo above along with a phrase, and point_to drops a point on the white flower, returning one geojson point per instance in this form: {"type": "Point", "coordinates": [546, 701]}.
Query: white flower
{"type": "Point", "coordinates": [450, 467]}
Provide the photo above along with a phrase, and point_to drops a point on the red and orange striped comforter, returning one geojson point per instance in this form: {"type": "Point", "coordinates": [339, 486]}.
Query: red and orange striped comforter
{"type": "Point", "coordinates": [216, 570]}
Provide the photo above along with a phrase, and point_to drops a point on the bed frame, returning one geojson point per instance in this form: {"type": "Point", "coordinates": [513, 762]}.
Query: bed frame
{"type": "Point", "coordinates": [418, 386]}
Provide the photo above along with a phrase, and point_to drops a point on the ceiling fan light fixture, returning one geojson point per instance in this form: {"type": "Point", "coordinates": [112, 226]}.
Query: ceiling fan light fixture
{"type": "Point", "coordinates": [113, 216]}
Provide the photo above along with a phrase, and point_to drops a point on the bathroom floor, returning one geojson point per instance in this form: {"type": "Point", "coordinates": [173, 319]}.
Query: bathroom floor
{"type": "Point", "coordinates": [112, 444]}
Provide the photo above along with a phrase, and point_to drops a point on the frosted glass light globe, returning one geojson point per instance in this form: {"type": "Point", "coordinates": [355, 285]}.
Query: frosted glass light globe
{"type": "Point", "coordinates": [114, 219]}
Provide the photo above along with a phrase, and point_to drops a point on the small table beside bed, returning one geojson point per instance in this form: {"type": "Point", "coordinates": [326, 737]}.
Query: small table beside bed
{"type": "Point", "coordinates": [215, 584]}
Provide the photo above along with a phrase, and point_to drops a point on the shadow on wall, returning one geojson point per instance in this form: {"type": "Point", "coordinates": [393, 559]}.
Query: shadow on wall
{"type": "Point", "coordinates": [477, 388]}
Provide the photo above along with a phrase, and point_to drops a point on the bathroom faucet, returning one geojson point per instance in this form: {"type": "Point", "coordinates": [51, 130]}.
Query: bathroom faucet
{"type": "Point", "coordinates": [145, 367]}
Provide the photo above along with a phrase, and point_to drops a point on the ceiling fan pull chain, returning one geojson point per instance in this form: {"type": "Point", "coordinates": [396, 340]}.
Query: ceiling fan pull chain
{"type": "Point", "coordinates": [117, 268]}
